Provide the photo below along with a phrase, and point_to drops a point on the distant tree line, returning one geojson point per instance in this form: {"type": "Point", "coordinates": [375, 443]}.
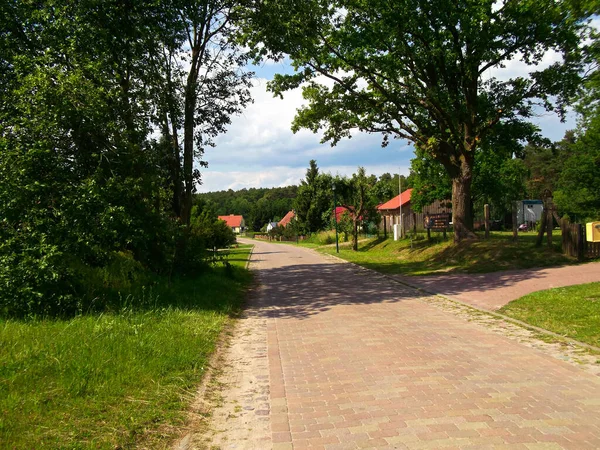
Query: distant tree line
{"type": "Point", "coordinates": [259, 206]}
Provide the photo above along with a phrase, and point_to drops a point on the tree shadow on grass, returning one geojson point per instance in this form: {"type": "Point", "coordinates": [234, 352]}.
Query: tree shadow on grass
{"type": "Point", "coordinates": [371, 244]}
{"type": "Point", "coordinates": [479, 256]}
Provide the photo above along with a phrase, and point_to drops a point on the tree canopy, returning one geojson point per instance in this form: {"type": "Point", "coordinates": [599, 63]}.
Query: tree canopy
{"type": "Point", "coordinates": [313, 202]}
{"type": "Point", "coordinates": [85, 88]}
{"type": "Point", "coordinates": [420, 71]}
{"type": "Point", "coordinates": [357, 195]}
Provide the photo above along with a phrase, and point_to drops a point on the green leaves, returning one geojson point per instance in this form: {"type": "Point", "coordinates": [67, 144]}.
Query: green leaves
{"type": "Point", "coordinates": [313, 203]}
{"type": "Point", "coordinates": [577, 191]}
{"type": "Point", "coordinates": [80, 177]}
{"type": "Point", "coordinates": [419, 70]}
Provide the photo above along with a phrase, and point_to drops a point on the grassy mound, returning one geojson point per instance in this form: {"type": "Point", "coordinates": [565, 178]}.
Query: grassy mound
{"type": "Point", "coordinates": [422, 257]}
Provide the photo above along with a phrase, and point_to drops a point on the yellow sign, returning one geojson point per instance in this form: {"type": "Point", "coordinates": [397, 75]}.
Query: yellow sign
{"type": "Point", "coordinates": [592, 231]}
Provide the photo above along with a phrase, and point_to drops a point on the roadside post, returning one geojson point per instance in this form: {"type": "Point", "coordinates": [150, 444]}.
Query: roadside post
{"type": "Point", "coordinates": [337, 245]}
{"type": "Point", "coordinates": [486, 218]}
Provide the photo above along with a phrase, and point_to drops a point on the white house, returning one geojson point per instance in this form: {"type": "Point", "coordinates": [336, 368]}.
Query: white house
{"type": "Point", "coordinates": [529, 211]}
{"type": "Point", "coordinates": [271, 225]}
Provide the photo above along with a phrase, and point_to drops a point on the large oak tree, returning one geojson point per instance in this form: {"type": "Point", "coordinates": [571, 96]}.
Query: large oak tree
{"type": "Point", "coordinates": [422, 70]}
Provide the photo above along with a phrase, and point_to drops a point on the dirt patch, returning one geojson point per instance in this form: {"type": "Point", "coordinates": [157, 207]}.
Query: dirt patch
{"type": "Point", "coordinates": [233, 409]}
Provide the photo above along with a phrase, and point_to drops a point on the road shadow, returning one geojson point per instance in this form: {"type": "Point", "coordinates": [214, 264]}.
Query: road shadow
{"type": "Point", "coordinates": [461, 283]}
{"type": "Point", "coordinates": [301, 291]}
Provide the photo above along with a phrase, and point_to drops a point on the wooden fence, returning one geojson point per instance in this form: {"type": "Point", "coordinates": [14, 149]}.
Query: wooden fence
{"type": "Point", "coordinates": [574, 241]}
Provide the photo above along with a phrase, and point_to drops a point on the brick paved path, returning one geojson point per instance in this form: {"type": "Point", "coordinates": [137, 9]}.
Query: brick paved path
{"type": "Point", "coordinates": [357, 361]}
{"type": "Point", "coordinates": [494, 290]}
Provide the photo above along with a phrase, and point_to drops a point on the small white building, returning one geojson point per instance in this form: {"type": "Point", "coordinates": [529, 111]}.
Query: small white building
{"type": "Point", "coordinates": [271, 225]}
{"type": "Point", "coordinates": [529, 211]}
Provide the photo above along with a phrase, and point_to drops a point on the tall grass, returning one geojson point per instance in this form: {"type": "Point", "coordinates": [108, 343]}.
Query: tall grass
{"type": "Point", "coordinates": [321, 238]}
{"type": "Point", "coordinates": [115, 380]}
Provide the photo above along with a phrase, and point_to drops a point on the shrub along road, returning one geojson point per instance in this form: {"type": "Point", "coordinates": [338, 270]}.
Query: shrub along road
{"type": "Point", "coordinates": [355, 360]}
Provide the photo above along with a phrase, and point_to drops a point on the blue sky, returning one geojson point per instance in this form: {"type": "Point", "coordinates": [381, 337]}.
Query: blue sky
{"type": "Point", "coordinates": [260, 150]}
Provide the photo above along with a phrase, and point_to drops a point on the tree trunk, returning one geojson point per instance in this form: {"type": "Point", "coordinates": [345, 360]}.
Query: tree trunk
{"type": "Point", "coordinates": [176, 172]}
{"type": "Point", "coordinates": [462, 214]}
{"type": "Point", "coordinates": [169, 133]}
{"type": "Point", "coordinates": [188, 151]}
{"type": "Point", "coordinates": [355, 234]}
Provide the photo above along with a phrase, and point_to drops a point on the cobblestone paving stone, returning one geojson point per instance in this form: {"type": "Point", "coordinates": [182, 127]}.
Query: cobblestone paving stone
{"type": "Point", "coordinates": [493, 290]}
{"type": "Point", "coordinates": [357, 361]}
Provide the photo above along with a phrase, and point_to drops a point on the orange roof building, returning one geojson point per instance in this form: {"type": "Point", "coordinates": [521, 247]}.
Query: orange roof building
{"type": "Point", "coordinates": [411, 219]}
{"type": "Point", "coordinates": [236, 223]}
{"type": "Point", "coordinates": [394, 204]}
{"type": "Point", "coordinates": [287, 219]}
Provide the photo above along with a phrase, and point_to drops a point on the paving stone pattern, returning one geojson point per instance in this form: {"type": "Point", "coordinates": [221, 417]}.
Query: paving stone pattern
{"type": "Point", "coordinates": [492, 291]}
{"type": "Point", "coordinates": [357, 361]}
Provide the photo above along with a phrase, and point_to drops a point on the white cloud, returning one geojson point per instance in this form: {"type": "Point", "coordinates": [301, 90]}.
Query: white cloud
{"type": "Point", "coordinates": [265, 125]}
{"type": "Point", "coordinates": [223, 179]}
{"type": "Point", "coordinates": [278, 176]}
{"type": "Point", "coordinates": [260, 141]}
{"type": "Point", "coordinates": [516, 67]}
{"type": "Point", "coordinates": [260, 149]}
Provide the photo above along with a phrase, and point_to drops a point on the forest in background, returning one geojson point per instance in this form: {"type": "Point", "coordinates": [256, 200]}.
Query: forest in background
{"type": "Point", "coordinates": [259, 206]}
{"type": "Point", "coordinates": [569, 168]}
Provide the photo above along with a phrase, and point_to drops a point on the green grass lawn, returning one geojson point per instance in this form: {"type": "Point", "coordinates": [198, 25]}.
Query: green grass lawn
{"type": "Point", "coordinates": [572, 311]}
{"type": "Point", "coordinates": [118, 380]}
{"type": "Point", "coordinates": [422, 257]}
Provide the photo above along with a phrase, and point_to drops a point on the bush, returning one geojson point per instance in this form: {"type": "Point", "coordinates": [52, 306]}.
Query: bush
{"type": "Point", "coordinates": [276, 232]}
{"type": "Point", "coordinates": [322, 238]}
{"type": "Point", "coordinates": [34, 278]}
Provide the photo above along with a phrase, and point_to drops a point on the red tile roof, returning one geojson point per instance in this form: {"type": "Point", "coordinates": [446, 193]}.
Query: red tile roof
{"type": "Point", "coordinates": [232, 221]}
{"type": "Point", "coordinates": [287, 219]}
{"type": "Point", "coordinates": [395, 202]}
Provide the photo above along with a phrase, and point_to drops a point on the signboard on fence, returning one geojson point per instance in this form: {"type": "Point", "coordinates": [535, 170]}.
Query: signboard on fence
{"type": "Point", "coordinates": [437, 222]}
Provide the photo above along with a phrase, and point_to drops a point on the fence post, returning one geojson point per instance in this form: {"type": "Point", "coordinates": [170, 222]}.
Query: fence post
{"type": "Point", "coordinates": [564, 226]}
{"type": "Point", "coordinates": [549, 221]}
{"type": "Point", "coordinates": [580, 242]}
{"type": "Point", "coordinates": [486, 218]}
{"type": "Point", "coordinates": [514, 221]}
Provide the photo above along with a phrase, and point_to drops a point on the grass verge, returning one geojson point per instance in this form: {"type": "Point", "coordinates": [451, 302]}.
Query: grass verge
{"type": "Point", "coordinates": [118, 380]}
{"type": "Point", "coordinates": [572, 311]}
{"type": "Point", "coordinates": [422, 257]}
